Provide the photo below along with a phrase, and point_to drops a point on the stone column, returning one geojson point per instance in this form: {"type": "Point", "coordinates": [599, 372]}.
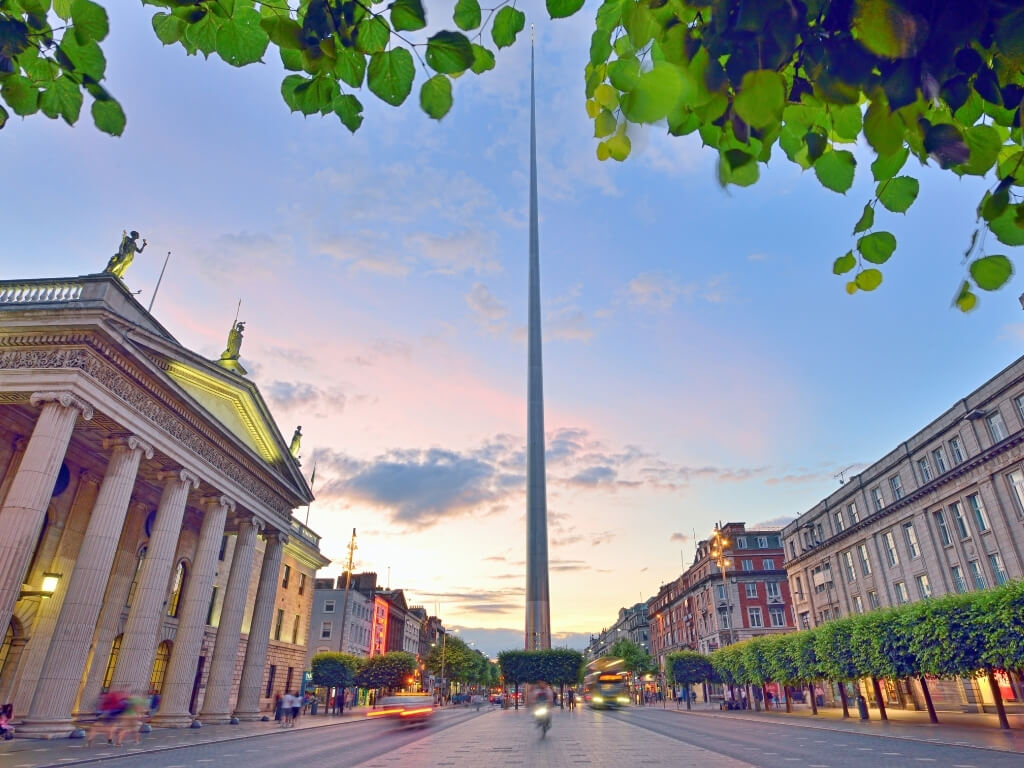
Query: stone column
{"type": "Point", "coordinates": [138, 643]}
{"type": "Point", "coordinates": [229, 632]}
{"type": "Point", "coordinates": [248, 705]}
{"type": "Point", "coordinates": [24, 509]}
{"type": "Point", "coordinates": [181, 669]}
{"type": "Point", "coordinates": [50, 713]}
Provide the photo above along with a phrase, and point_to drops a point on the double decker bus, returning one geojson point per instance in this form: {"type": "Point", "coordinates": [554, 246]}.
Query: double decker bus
{"type": "Point", "coordinates": [605, 685]}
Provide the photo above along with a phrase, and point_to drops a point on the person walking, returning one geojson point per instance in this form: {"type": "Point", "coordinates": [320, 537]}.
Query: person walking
{"type": "Point", "coordinates": [286, 710]}
{"type": "Point", "coordinates": [296, 708]}
{"type": "Point", "coordinates": [572, 700]}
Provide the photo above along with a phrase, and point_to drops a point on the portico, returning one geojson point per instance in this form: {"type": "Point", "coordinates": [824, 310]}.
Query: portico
{"type": "Point", "coordinates": [143, 476]}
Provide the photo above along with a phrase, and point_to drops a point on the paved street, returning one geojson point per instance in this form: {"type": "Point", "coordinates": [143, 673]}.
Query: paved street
{"type": "Point", "coordinates": [460, 738]}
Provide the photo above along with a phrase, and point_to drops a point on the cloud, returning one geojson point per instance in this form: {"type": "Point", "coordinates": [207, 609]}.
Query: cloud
{"type": "Point", "coordinates": [681, 538]}
{"type": "Point", "coordinates": [489, 312]}
{"type": "Point", "coordinates": [594, 476]}
{"type": "Point", "coordinates": [604, 537]}
{"type": "Point", "coordinates": [568, 324]}
{"type": "Point", "coordinates": [653, 290]}
{"type": "Point", "coordinates": [298, 358]}
{"type": "Point", "coordinates": [457, 253]}
{"type": "Point", "coordinates": [774, 522]}
{"type": "Point", "coordinates": [288, 395]}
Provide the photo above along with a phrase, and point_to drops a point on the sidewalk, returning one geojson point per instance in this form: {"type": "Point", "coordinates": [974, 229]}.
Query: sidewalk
{"type": "Point", "coordinates": [961, 729]}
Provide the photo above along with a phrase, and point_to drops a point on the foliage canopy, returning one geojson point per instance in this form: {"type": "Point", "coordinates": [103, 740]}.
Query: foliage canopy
{"type": "Point", "coordinates": [937, 79]}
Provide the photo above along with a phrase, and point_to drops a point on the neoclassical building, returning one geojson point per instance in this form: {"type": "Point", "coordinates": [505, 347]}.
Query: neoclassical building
{"type": "Point", "coordinates": [151, 492]}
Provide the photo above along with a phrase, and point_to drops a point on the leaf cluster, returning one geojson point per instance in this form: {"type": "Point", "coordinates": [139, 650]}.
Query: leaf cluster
{"type": "Point", "coordinates": [387, 670]}
{"type": "Point", "coordinates": [635, 657]}
{"type": "Point", "coordinates": [335, 670]}
{"type": "Point", "coordinates": [555, 666]}
{"type": "Point", "coordinates": [687, 667]}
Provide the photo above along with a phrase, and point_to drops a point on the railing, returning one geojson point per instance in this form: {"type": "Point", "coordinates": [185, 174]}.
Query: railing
{"type": "Point", "coordinates": [36, 292]}
{"type": "Point", "coordinates": [306, 532]}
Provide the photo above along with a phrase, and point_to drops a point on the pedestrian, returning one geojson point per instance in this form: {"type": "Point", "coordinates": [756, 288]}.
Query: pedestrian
{"type": "Point", "coordinates": [286, 710]}
{"type": "Point", "coordinates": [131, 718]}
{"type": "Point", "coordinates": [277, 707]}
{"type": "Point", "coordinates": [768, 696]}
{"type": "Point", "coordinates": [296, 707]}
{"type": "Point", "coordinates": [572, 700]}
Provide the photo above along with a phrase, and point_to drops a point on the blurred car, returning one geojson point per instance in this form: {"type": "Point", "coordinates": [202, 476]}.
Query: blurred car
{"type": "Point", "coordinates": [404, 708]}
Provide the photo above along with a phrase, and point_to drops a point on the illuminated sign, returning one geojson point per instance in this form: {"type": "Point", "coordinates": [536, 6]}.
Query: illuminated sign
{"type": "Point", "coordinates": [379, 631]}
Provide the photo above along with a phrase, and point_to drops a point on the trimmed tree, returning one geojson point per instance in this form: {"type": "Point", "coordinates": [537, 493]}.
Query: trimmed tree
{"type": "Point", "coordinates": [335, 670]}
{"type": "Point", "coordinates": [687, 668]}
{"type": "Point", "coordinates": [386, 671]}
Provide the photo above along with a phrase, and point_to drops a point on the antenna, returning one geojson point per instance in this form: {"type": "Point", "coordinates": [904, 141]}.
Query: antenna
{"type": "Point", "coordinates": [158, 281]}
{"type": "Point", "coordinates": [841, 474]}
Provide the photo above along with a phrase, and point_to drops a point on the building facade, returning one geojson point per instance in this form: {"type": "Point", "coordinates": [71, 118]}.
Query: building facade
{"type": "Point", "coordinates": [631, 624]}
{"type": "Point", "coordinates": [942, 513]}
{"type": "Point", "coordinates": [703, 611]}
{"type": "Point", "coordinates": [328, 609]}
{"type": "Point", "coordinates": [151, 490]}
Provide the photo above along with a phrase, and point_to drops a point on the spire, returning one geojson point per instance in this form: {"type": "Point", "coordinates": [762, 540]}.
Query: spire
{"type": "Point", "coordinates": [538, 608]}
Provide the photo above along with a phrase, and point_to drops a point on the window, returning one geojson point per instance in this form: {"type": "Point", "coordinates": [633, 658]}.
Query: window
{"type": "Point", "coordinates": [890, 548]}
{"type": "Point", "coordinates": [940, 460]}
{"type": "Point", "coordinates": [956, 450]}
{"type": "Point", "coordinates": [115, 649]}
{"type": "Point", "coordinates": [156, 678]}
{"type": "Point", "coordinates": [223, 547]}
{"type": "Point", "coordinates": [996, 562]}
{"type": "Point", "coordinates": [213, 604]}
{"type": "Point", "coordinates": [865, 559]}
{"type": "Point", "coordinates": [751, 589]}
{"type": "Point", "coordinates": [876, 497]}
{"type": "Point", "coordinates": [754, 614]}
{"type": "Point", "coordinates": [820, 533]}
{"type": "Point", "coordinates": [958, 520]}
{"type": "Point", "coordinates": [902, 597]}
{"type": "Point", "coordinates": [924, 587]}
{"type": "Point", "coordinates": [978, 509]}
{"type": "Point", "coordinates": [839, 521]}
{"type": "Point", "coordinates": [977, 574]}
{"type": "Point", "coordinates": [777, 616]}
{"type": "Point", "coordinates": [851, 513]}
{"type": "Point", "coordinates": [135, 577]}
{"type": "Point", "coordinates": [326, 627]}
{"type": "Point", "coordinates": [723, 619]}
{"type": "Point", "coordinates": [926, 470]}
{"type": "Point", "coordinates": [762, 542]}
{"type": "Point", "coordinates": [774, 591]}
{"type": "Point", "coordinates": [851, 573]}
{"type": "Point", "coordinates": [958, 579]}
{"type": "Point", "coordinates": [805, 620]}
{"type": "Point", "coordinates": [1016, 481]}
{"type": "Point", "coordinates": [741, 542]}
{"type": "Point", "coordinates": [176, 587]}
{"type": "Point", "coordinates": [720, 591]}
{"type": "Point", "coordinates": [278, 623]}
{"type": "Point", "coordinates": [996, 426]}
{"type": "Point", "coordinates": [910, 536]}
{"type": "Point", "coordinates": [873, 599]}
{"type": "Point", "coordinates": [940, 521]}
{"type": "Point", "coordinates": [792, 547]}
{"type": "Point", "coordinates": [286, 577]}
{"type": "Point", "coordinates": [295, 630]}
{"type": "Point", "coordinates": [328, 606]}
{"type": "Point", "coordinates": [748, 565]}
{"type": "Point", "coordinates": [768, 564]}
{"type": "Point", "coordinates": [858, 604]}
{"type": "Point", "coordinates": [302, 583]}
{"type": "Point", "coordinates": [270, 681]}
{"type": "Point", "coordinates": [1020, 406]}
{"type": "Point", "coordinates": [798, 587]}
{"type": "Point", "coordinates": [897, 486]}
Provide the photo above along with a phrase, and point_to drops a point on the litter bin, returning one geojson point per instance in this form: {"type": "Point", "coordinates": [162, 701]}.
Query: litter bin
{"type": "Point", "coordinates": [862, 708]}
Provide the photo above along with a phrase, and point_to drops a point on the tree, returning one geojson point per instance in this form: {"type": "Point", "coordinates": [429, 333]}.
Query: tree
{"type": "Point", "coordinates": [937, 79]}
{"type": "Point", "coordinates": [635, 657]}
{"type": "Point", "coordinates": [687, 668]}
{"type": "Point", "coordinates": [459, 660]}
{"type": "Point", "coordinates": [335, 670]}
{"type": "Point", "coordinates": [387, 670]}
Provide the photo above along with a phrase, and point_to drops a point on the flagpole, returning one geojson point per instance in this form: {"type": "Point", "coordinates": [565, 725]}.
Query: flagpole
{"type": "Point", "coordinates": [312, 479]}
{"type": "Point", "coordinates": [158, 281]}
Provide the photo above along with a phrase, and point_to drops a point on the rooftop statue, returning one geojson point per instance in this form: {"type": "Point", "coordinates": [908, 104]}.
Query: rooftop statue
{"type": "Point", "coordinates": [296, 442]}
{"type": "Point", "coordinates": [229, 357]}
{"type": "Point", "coordinates": [121, 260]}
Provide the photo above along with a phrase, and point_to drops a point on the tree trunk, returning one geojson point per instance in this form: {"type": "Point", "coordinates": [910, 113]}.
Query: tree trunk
{"type": "Point", "coordinates": [998, 696]}
{"type": "Point", "coordinates": [687, 693]}
{"type": "Point", "coordinates": [788, 692]}
{"type": "Point", "coordinates": [561, 695]}
{"type": "Point", "coordinates": [842, 697]}
{"type": "Point", "coordinates": [878, 698]}
{"type": "Point", "coordinates": [928, 699]}
{"type": "Point", "coordinates": [342, 694]}
{"type": "Point", "coordinates": [515, 697]}
{"type": "Point", "coordinates": [764, 696]}
{"type": "Point", "coordinates": [814, 698]}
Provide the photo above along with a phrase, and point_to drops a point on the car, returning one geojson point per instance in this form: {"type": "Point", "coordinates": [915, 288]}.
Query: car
{"type": "Point", "coordinates": [404, 708]}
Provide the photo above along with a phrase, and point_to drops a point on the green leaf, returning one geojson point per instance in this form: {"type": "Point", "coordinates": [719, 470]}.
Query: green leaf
{"type": "Point", "coordinates": [761, 98]}
{"type": "Point", "coordinates": [560, 9]}
{"type": "Point", "coordinates": [467, 14]}
{"type": "Point", "coordinates": [835, 170]}
{"type": "Point", "coordinates": [62, 8]}
{"type": "Point", "coordinates": [606, 96]}
{"type": "Point", "coordinates": [349, 110]}
{"type": "Point", "coordinates": [436, 96]}
{"type": "Point", "coordinates": [391, 74]}
{"type": "Point", "coordinates": [624, 74]}
{"type": "Point", "coordinates": [350, 66]}
{"type": "Point", "coordinates": [483, 59]}
{"type": "Point", "coordinates": [887, 166]}
{"type": "Point", "coordinates": [283, 32]}
{"type": "Point", "coordinates": [108, 116]}
{"type": "Point", "coordinates": [408, 15]}
{"type": "Point", "coordinates": [449, 52]}
{"type": "Point", "coordinates": [867, 219]}
{"type": "Point", "coordinates": [1005, 228]}
{"type": "Point", "coordinates": [87, 59]}
{"type": "Point", "coordinates": [991, 272]}
{"type": "Point", "coordinates": [20, 93]}
{"type": "Point", "coordinates": [63, 98]}
{"type": "Point", "coordinates": [203, 34]}
{"type": "Point", "coordinates": [372, 34]}
{"type": "Point", "coordinates": [877, 247]}
{"type": "Point", "coordinates": [310, 95]}
{"type": "Point", "coordinates": [292, 60]}
{"type": "Point", "coordinates": [984, 143]}
{"type": "Point", "coordinates": [618, 146]}
{"type": "Point", "coordinates": [847, 121]}
{"type": "Point", "coordinates": [168, 28]}
{"type": "Point", "coordinates": [898, 194]}
{"type": "Point", "coordinates": [656, 92]}
{"type": "Point", "coordinates": [604, 124]}
{"type": "Point", "coordinates": [965, 300]}
{"type": "Point", "coordinates": [241, 40]}
{"type": "Point", "coordinates": [508, 23]}
{"type": "Point", "coordinates": [887, 30]}
{"type": "Point", "coordinates": [844, 263]}
{"type": "Point", "coordinates": [89, 20]}
{"type": "Point", "coordinates": [868, 280]}
{"type": "Point", "coordinates": [883, 130]}
{"type": "Point", "coordinates": [600, 47]}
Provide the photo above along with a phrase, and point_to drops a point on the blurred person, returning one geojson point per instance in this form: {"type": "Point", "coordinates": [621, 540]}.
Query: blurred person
{"type": "Point", "coordinates": [132, 716]}
{"type": "Point", "coordinates": [286, 710]}
{"type": "Point", "coordinates": [296, 708]}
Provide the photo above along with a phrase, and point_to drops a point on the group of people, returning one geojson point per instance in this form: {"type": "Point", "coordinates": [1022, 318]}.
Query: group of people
{"type": "Point", "coordinates": [119, 713]}
{"type": "Point", "coordinates": [287, 708]}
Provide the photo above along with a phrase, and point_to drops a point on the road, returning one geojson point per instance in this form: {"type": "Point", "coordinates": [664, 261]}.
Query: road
{"type": "Point", "coordinates": [460, 738]}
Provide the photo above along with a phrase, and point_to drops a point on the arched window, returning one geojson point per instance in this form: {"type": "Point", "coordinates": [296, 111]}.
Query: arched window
{"type": "Point", "coordinates": [135, 575]}
{"type": "Point", "coordinates": [163, 655]}
{"type": "Point", "coordinates": [115, 648]}
{"type": "Point", "coordinates": [177, 585]}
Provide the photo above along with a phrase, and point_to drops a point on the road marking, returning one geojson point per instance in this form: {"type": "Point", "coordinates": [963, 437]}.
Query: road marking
{"type": "Point", "coordinates": [892, 754]}
{"type": "Point", "coordinates": [925, 759]}
{"type": "Point", "coordinates": [865, 749]}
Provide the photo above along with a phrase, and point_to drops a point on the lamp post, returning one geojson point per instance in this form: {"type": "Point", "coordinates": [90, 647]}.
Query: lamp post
{"type": "Point", "coordinates": [46, 589]}
{"type": "Point", "coordinates": [718, 544]}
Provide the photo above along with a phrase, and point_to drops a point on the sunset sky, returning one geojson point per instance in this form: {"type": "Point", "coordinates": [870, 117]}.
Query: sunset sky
{"type": "Point", "coordinates": [701, 361]}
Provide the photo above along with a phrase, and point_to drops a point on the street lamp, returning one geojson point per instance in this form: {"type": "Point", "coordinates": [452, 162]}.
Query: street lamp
{"type": "Point", "coordinates": [718, 544]}
{"type": "Point", "coordinates": [47, 588]}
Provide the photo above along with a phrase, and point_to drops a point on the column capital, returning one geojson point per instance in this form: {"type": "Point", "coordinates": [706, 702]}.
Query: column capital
{"type": "Point", "coordinates": [254, 520]}
{"type": "Point", "coordinates": [88, 476]}
{"type": "Point", "coordinates": [179, 475]}
{"type": "Point", "coordinates": [67, 399]}
{"type": "Point", "coordinates": [272, 533]}
{"type": "Point", "coordinates": [131, 442]}
{"type": "Point", "coordinates": [218, 501]}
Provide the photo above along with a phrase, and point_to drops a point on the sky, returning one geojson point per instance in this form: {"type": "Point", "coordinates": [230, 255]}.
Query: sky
{"type": "Point", "coordinates": [701, 361]}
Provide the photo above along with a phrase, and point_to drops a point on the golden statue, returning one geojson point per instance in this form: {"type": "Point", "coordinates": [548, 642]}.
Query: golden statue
{"type": "Point", "coordinates": [121, 260]}
{"type": "Point", "coordinates": [229, 357]}
{"type": "Point", "coordinates": [296, 442]}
